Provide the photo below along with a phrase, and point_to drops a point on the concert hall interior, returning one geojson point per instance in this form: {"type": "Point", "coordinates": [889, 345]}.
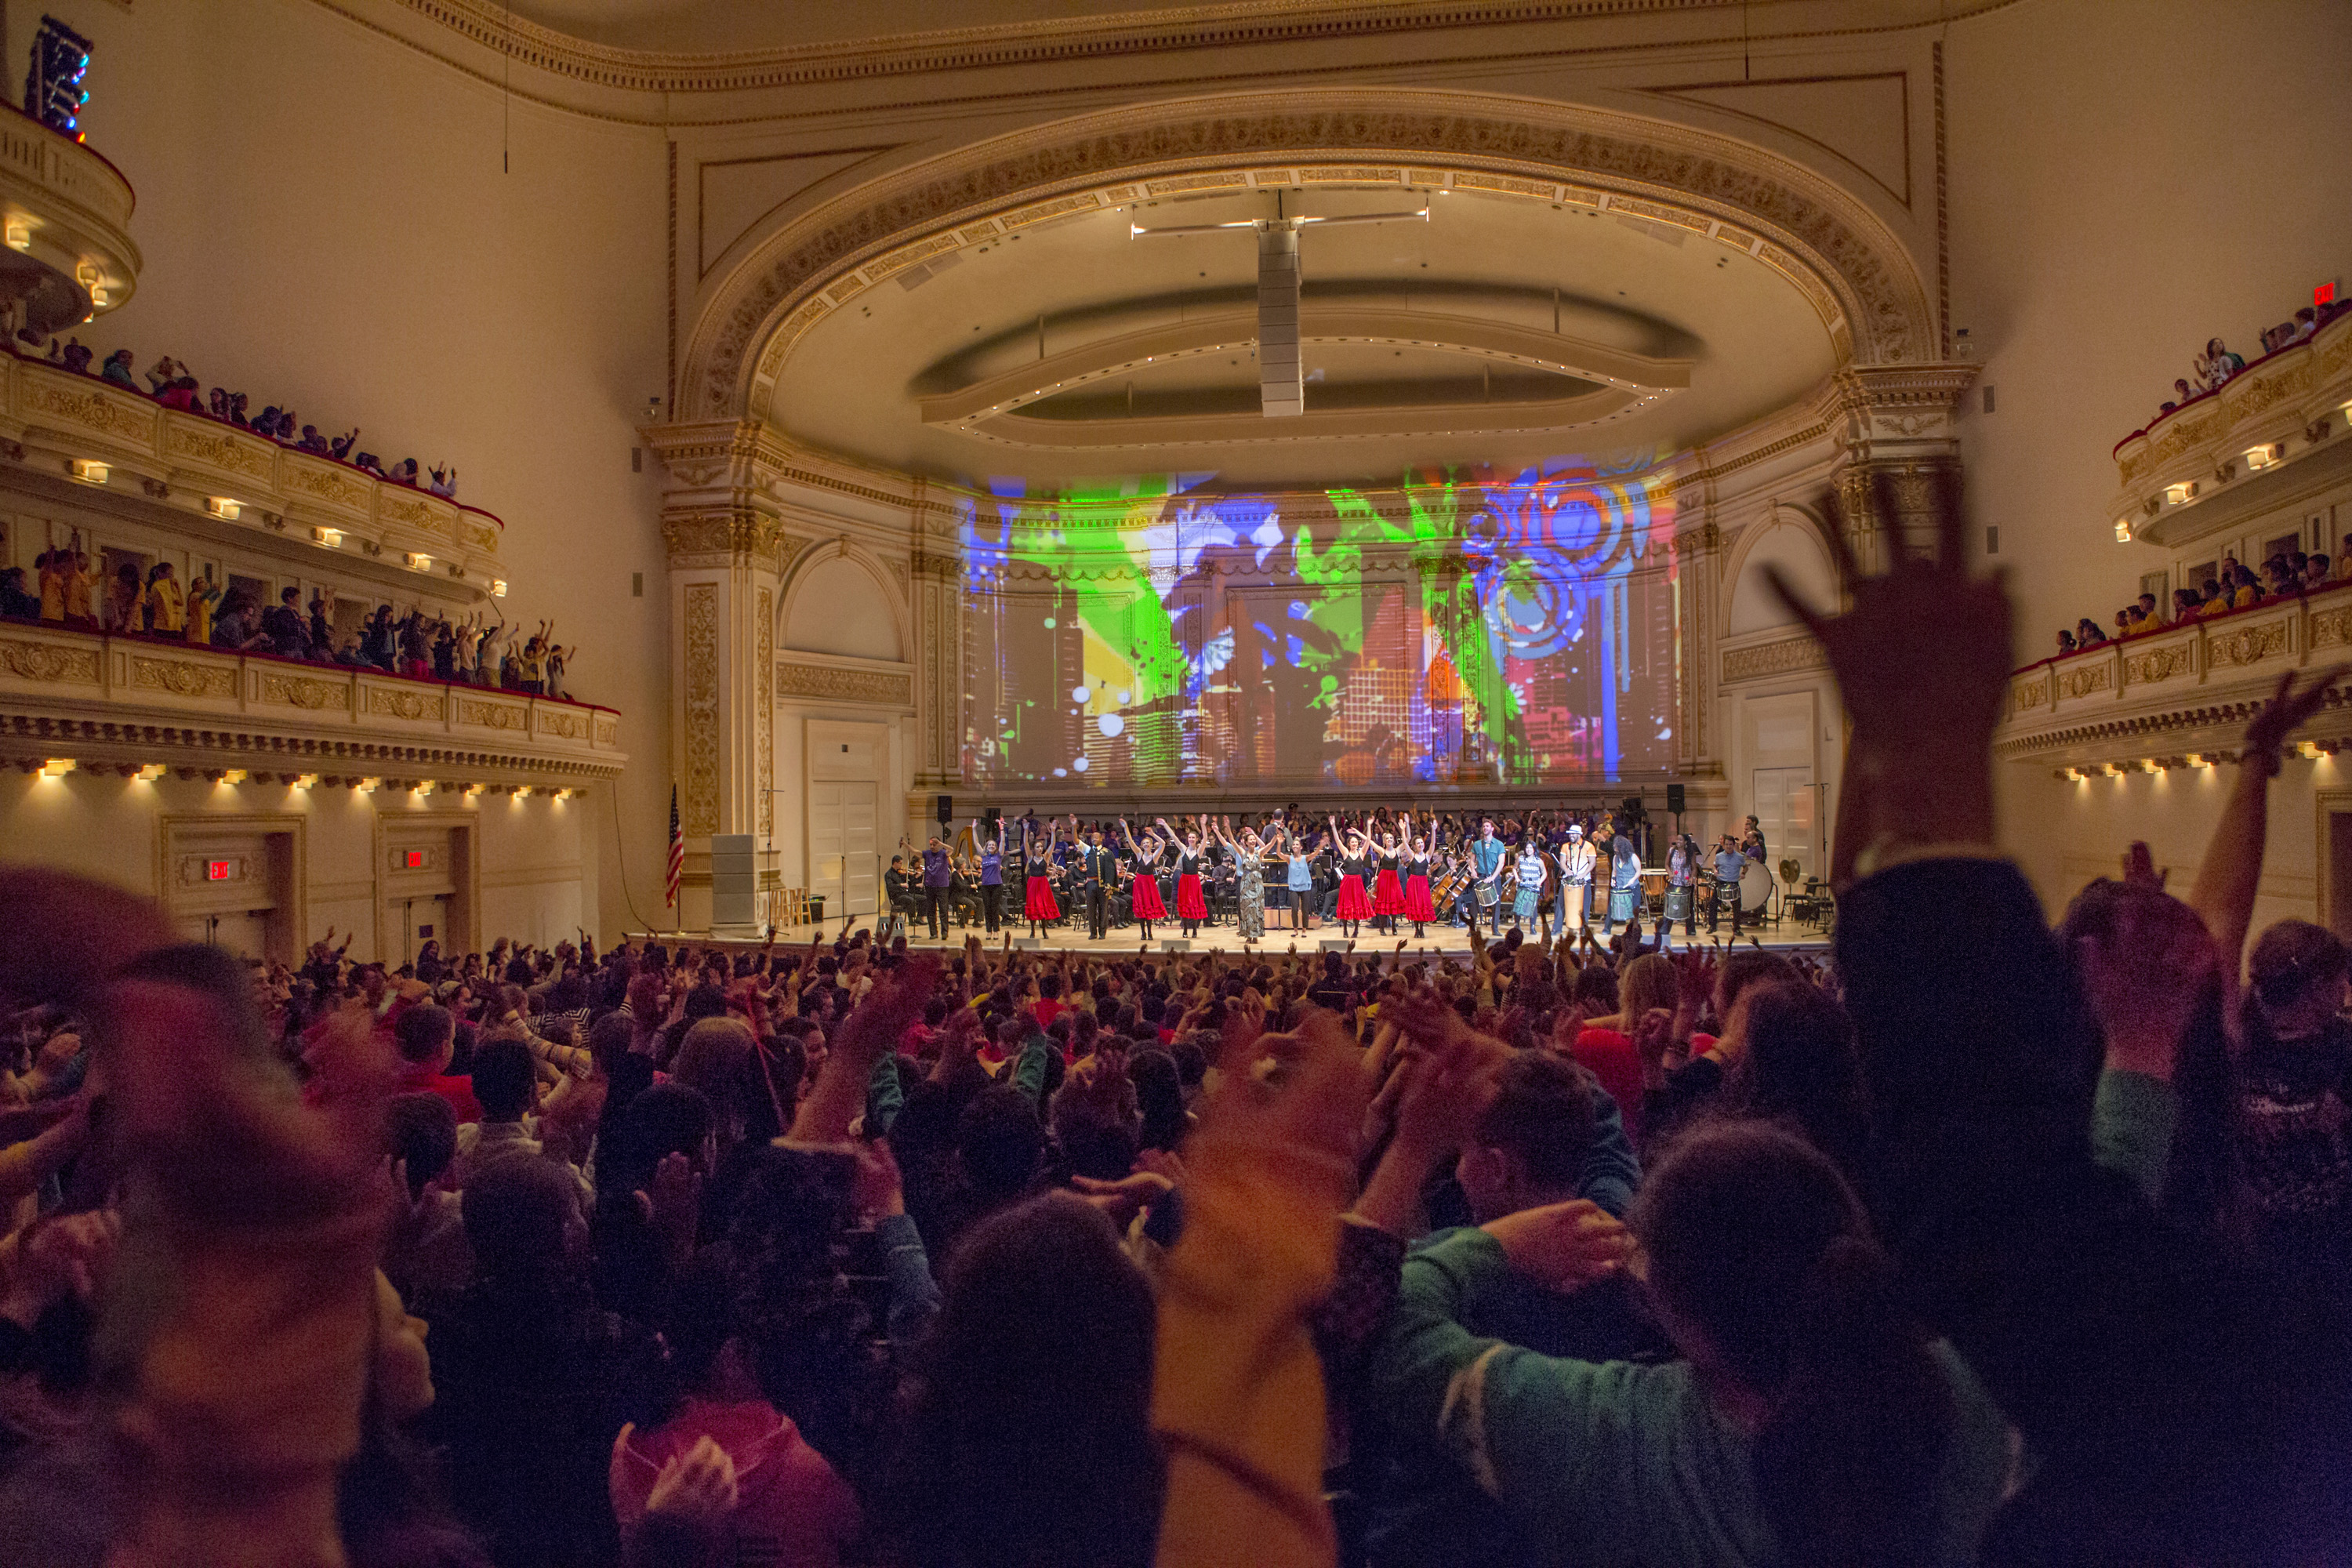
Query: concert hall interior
{"type": "Point", "coordinates": [1286, 502]}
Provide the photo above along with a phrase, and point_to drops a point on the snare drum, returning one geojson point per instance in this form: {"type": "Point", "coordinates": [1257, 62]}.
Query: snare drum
{"type": "Point", "coordinates": [1678, 902]}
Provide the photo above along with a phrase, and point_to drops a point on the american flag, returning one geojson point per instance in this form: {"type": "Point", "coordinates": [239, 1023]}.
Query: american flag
{"type": "Point", "coordinates": [676, 847]}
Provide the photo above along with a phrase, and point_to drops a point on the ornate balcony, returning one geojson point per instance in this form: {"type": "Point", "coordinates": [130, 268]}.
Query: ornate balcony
{"type": "Point", "coordinates": [64, 423]}
{"type": "Point", "coordinates": [67, 217]}
{"type": "Point", "coordinates": [2279, 425]}
{"type": "Point", "coordinates": [135, 701]}
{"type": "Point", "coordinates": [2166, 697]}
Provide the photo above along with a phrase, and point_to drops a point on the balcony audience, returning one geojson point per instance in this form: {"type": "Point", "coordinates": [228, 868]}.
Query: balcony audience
{"type": "Point", "coordinates": [2288, 573]}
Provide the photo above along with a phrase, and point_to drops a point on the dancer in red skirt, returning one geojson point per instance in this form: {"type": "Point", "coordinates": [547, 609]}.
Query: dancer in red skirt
{"type": "Point", "coordinates": [1388, 893]}
{"type": "Point", "coordinates": [1355, 904]}
{"type": "Point", "coordinates": [1419, 853]}
{"type": "Point", "coordinates": [1191, 907]}
{"type": "Point", "coordinates": [1039, 908]}
{"type": "Point", "coordinates": [1143, 893]}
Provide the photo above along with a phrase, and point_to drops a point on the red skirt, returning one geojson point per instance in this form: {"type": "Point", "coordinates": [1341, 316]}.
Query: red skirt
{"type": "Point", "coordinates": [1417, 907]}
{"type": "Point", "coordinates": [1040, 905]}
{"type": "Point", "coordinates": [1388, 894]}
{"type": "Point", "coordinates": [1190, 905]}
{"type": "Point", "coordinates": [1145, 895]}
{"type": "Point", "coordinates": [1355, 904]}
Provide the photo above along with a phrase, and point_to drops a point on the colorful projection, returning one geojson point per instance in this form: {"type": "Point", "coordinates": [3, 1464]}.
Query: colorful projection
{"type": "Point", "coordinates": [1461, 630]}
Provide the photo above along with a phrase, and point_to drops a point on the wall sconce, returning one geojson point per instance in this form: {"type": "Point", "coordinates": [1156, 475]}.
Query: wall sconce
{"type": "Point", "coordinates": [150, 772]}
{"type": "Point", "coordinates": [367, 785]}
{"type": "Point", "coordinates": [473, 792]}
{"type": "Point", "coordinates": [57, 767]}
{"type": "Point", "coordinates": [305, 781]}
{"type": "Point", "coordinates": [522, 792]}
{"type": "Point", "coordinates": [2261, 457]}
{"type": "Point", "coordinates": [2182, 493]}
{"type": "Point", "coordinates": [232, 775]}
{"type": "Point", "coordinates": [2309, 750]}
{"type": "Point", "coordinates": [417, 563]}
{"type": "Point", "coordinates": [89, 472]}
{"type": "Point", "coordinates": [332, 538]}
{"type": "Point", "coordinates": [564, 794]}
{"type": "Point", "coordinates": [224, 508]}
{"type": "Point", "coordinates": [97, 295]}
{"type": "Point", "coordinates": [20, 235]}
{"type": "Point", "coordinates": [2123, 530]}
{"type": "Point", "coordinates": [497, 588]}
{"type": "Point", "coordinates": [425, 786]}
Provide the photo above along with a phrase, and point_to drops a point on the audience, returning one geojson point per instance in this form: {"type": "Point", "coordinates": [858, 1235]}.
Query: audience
{"type": "Point", "coordinates": [2289, 574]}
{"type": "Point", "coordinates": [1985, 1242]}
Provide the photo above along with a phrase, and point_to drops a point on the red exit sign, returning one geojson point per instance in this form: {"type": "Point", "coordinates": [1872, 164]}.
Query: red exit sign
{"type": "Point", "coordinates": [216, 871]}
{"type": "Point", "coordinates": [411, 860]}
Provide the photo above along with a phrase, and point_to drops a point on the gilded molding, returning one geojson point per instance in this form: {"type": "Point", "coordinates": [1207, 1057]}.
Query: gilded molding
{"type": "Point", "coordinates": [40, 661]}
{"type": "Point", "coordinates": [829, 683]}
{"type": "Point", "coordinates": [765, 738]}
{"type": "Point", "coordinates": [700, 818]}
{"type": "Point", "coordinates": [414, 705]}
{"type": "Point", "coordinates": [1783, 657]}
{"type": "Point", "coordinates": [220, 449]}
{"type": "Point", "coordinates": [2251, 644]}
{"type": "Point", "coordinates": [183, 679]}
{"type": "Point", "coordinates": [300, 691]}
{"type": "Point", "coordinates": [496, 715]}
{"type": "Point", "coordinates": [103, 413]}
{"type": "Point", "coordinates": [736, 536]}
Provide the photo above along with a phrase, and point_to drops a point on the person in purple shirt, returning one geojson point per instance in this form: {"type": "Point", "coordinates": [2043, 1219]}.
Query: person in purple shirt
{"type": "Point", "coordinates": [992, 872]}
{"type": "Point", "coordinates": [938, 876]}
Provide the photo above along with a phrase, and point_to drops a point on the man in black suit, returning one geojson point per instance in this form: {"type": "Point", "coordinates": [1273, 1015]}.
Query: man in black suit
{"type": "Point", "coordinates": [1097, 872]}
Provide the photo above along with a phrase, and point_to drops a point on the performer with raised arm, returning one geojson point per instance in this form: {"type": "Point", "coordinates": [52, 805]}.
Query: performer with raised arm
{"type": "Point", "coordinates": [1039, 906]}
{"type": "Point", "coordinates": [1420, 854]}
{"type": "Point", "coordinates": [1192, 907]}
{"type": "Point", "coordinates": [1144, 895]}
{"type": "Point", "coordinates": [1388, 891]}
{"type": "Point", "coordinates": [1249, 860]}
{"type": "Point", "coordinates": [1355, 905]}
{"type": "Point", "coordinates": [1299, 877]}
{"type": "Point", "coordinates": [991, 873]}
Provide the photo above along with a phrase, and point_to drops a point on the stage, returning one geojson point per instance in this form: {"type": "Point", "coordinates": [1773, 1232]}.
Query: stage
{"type": "Point", "coordinates": [1443, 942]}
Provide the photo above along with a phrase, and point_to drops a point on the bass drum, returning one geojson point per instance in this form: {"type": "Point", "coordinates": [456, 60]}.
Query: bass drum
{"type": "Point", "coordinates": [1755, 888]}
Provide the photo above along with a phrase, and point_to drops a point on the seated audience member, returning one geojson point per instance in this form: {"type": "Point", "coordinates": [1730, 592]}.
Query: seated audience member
{"type": "Point", "coordinates": [2216, 602]}
{"type": "Point", "coordinates": [2317, 573]}
{"type": "Point", "coordinates": [2066, 643]}
{"type": "Point", "coordinates": [2148, 620]}
{"type": "Point", "coordinates": [1796, 1065]}
{"type": "Point", "coordinates": [2184, 605]}
{"type": "Point", "coordinates": [15, 603]}
{"type": "Point", "coordinates": [2087, 632]}
{"type": "Point", "coordinates": [789, 1506]}
{"type": "Point", "coordinates": [427, 1037]}
{"type": "Point", "coordinates": [425, 1249]}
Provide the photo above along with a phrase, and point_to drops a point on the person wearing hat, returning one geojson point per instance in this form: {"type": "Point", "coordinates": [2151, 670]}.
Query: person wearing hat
{"type": "Point", "coordinates": [1576, 861]}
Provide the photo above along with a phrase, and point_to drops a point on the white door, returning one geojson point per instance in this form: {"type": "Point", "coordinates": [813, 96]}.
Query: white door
{"type": "Point", "coordinates": [845, 833]}
{"type": "Point", "coordinates": [1784, 808]}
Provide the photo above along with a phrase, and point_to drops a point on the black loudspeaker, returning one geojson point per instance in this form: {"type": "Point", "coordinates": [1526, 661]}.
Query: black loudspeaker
{"type": "Point", "coordinates": [1674, 799]}
{"type": "Point", "coordinates": [947, 809]}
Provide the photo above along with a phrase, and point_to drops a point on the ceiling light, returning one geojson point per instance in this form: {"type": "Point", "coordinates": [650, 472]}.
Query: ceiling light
{"type": "Point", "coordinates": [497, 588]}
{"type": "Point", "coordinates": [92, 472]}
{"type": "Point", "coordinates": [222, 506]}
{"type": "Point", "coordinates": [20, 235]}
{"type": "Point", "coordinates": [2123, 530]}
{"type": "Point", "coordinates": [332, 538]}
{"type": "Point", "coordinates": [2182, 493]}
{"type": "Point", "coordinates": [57, 767]}
{"type": "Point", "coordinates": [420, 562]}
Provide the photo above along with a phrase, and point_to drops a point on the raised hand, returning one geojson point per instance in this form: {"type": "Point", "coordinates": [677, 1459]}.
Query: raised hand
{"type": "Point", "coordinates": [1564, 1247]}
{"type": "Point", "coordinates": [2284, 713]}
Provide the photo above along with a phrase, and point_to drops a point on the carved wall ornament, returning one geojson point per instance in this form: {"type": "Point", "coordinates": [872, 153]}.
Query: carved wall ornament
{"type": "Point", "coordinates": [701, 817]}
{"type": "Point", "coordinates": [300, 691]}
{"type": "Point", "coordinates": [608, 730]}
{"type": "Point", "coordinates": [765, 738]}
{"type": "Point", "coordinates": [733, 537]}
{"type": "Point", "coordinates": [182, 678]}
{"type": "Point", "coordinates": [2333, 630]}
{"type": "Point", "coordinates": [415, 706]}
{"type": "Point", "coordinates": [492, 715]}
{"type": "Point", "coordinates": [2099, 677]}
{"type": "Point", "coordinates": [91, 409]}
{"type": "Point", "coordinates": [2026, 695]}
{"type": "Point", "coordinates": [2250, 645]}
{"type": "Point", "coordinates": [1782, 658]}
{"type": "Point", "coordinates": [2147, 668]}
{"type": "Point", "coordinates": [563, 723]}
{"type": "Point", "coordinates": [326, 484]}
{"type": "Point", "coordinates": [45, 662]}
{"type": "Point", "coordinates": [218, 448]}
{"type": "Point", "coordinates": [829, 683]}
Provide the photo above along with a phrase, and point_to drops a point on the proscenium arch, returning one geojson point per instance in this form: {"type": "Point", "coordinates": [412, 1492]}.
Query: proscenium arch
{"type": "Point", "coordinates": [1803, 223]}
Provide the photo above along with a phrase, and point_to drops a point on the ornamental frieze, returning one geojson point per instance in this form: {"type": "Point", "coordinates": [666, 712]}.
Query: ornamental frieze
{"type": "Point", "coordinates": [1790, 655]}
{"type": "Point", "coordinates": [299, 692]}
{"type": "Point", "coordinates": [414, 705]}
{"type": "Point", "coordinates": [218, 448]}
{"type": "Point", "coordinates": [829, 683]}
{"type": "Point", "coordinates": [2251, 645]}
{"type": "Point", "coordinates": [41, 661]}
{"type": "Point", "coordinates": [91, 409]}
{"type": "Point", "coordinates": [182, 678]}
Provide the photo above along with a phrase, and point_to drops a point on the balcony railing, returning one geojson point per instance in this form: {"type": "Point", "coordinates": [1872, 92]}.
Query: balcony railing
{"type": "Point", "coordinates": [2188, 689]}
{"type": "Point", "coordinates": [199, 463]}
{"type": "Point", "coordinates": [67, 210]}
{"type": "Point", "coordinates": [130, 699]}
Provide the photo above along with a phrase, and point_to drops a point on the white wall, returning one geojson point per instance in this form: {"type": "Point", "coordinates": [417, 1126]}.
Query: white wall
{"type": "Point", "coordinates": [2128, 179]}
{"type": "Point", "coordinates": [325, 222]}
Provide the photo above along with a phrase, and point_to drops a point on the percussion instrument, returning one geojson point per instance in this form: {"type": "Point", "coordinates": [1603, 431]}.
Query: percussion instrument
{"type": "Point", "coordinates": [1622, 904]}
{"type": "Point", "coordinates": [1678, 902]}
{"type": "Point", "coordinates": [1755, 888]}
{"type": "Point", "coordinates": [1654, 885]}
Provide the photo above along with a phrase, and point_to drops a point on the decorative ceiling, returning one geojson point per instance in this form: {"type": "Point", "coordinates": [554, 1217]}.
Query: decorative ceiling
{"type": "Point", "coordinates": [1504, 330]}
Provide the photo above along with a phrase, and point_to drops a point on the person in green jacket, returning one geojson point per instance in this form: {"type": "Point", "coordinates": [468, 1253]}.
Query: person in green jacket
{"type": "Point", "coordinates": [1810, 1422]}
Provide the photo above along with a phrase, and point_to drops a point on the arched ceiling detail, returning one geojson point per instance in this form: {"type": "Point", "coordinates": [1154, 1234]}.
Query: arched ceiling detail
{"type": "Point", "coordinates": [1828, 242]}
